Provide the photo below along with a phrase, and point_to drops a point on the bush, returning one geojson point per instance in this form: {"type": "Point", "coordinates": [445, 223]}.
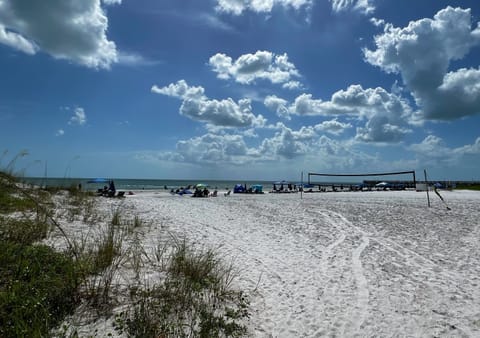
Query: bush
{"type": "Point", "coordinates": [37, 289]}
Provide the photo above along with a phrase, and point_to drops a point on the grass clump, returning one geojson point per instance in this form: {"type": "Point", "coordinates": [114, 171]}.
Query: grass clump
{"type": "Point", "coordinates": [23, 231]}
{"type": "Point", "coordinates": [37, 289]}
{"type": "Point", "coordinates": [195, 300]}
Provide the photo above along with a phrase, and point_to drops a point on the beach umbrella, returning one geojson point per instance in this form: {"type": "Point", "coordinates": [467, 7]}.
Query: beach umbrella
{"type": "Point", "coordinates": [98, 180]}
{"type": "Point", "coordinates": [382, 184]}
{"type": "Point", "coordinates": [200, 185]}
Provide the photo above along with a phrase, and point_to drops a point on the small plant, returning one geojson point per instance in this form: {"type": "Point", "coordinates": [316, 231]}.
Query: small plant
{"type": "Point", "coordinates": [137, 222]}
{"type": "Point", "coordinates": [116, 218]}
{"type": "Point", "coordinates": [37, 289]}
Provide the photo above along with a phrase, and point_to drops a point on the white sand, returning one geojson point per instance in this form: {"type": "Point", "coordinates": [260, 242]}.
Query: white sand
{"type": "Point", "coordinates": [349, 264]}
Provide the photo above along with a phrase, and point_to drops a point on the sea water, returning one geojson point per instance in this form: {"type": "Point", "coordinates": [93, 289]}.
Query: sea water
{"type": "Point", "coordinates": [141, 184]}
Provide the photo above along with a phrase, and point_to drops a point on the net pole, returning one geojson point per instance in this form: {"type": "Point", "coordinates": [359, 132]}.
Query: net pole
{"type": "Point", "coordinates": [426, 186]}
{"type": "Point", "coordinates": [301, 186]}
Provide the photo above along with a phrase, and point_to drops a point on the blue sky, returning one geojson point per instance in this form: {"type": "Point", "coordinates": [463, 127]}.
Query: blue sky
{"type": "Point", "coordinates": [240, 89]}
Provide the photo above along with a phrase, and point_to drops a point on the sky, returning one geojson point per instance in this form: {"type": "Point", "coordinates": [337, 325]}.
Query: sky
{"type": "Point", "coordinates": [239, 89]}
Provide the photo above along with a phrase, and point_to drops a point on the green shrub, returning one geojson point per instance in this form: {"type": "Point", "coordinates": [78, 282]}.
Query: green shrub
{"type": "Point", "coordinates": [37, 289]}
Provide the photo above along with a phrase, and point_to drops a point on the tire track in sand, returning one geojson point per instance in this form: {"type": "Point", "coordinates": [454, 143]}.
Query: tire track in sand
{"type": "Point", "coordinates": [350, 310]}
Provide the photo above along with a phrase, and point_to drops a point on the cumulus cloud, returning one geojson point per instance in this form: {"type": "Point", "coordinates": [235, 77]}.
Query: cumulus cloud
{"type": "Point", "coordinates": [261, 65]}
{"type": "Point", "coordinates": [334, 126]}
{"type": "Point", "coordinates": [386, 113]}
{"type": "Point", "coordinates": [60, 132]}
{"type": "Point", "coordinates": [284, 144]}
{"type": "Point", "coordinates": [79, 117]}
{"type": "Point", "coordinates": [65, 29]}
{"type": "Point", "coordinates": [277, 105]}
{"type": "Point", "coordinates": [223, 113]}
{"type": "Point", "coordinates": [434, 151]}
{"type": "Point", "coordinates": [422, 53]}
{"type": "Point", "coordinates": [236, 7]}
{"type": "Point", "coordinates": [211, 149]}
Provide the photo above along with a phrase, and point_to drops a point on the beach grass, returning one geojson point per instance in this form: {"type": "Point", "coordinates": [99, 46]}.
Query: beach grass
{"type": "Point", "coordinates": [40, 285]}
{"type": "Point", "coordinates": [194, 300]}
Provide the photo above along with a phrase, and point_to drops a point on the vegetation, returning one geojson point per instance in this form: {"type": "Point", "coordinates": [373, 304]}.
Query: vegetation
{"type": "Point", "coordinates": [194, 300]}
{"type": "Point", "coordinates": [469, 186]}
{"type": "Point", "coordinates": [40, 285]}
{"type": "Point", "coordinates": [37, 289]}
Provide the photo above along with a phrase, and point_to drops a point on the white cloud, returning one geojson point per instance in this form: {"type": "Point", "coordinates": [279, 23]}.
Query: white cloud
{"type": "Point", "coordinates": [16, 41]}
{"type": "Point", "coordinates": [209, 149]}
{"type": "Point", "coordinates": [334, 126]}
{"type": "Point", "coordinates": [79, 117]}
{"type": "Point", "coordinates": [236, 7]}
{"type": "Point", "coordinates": [422, 53]}
{"type": "Point", "coordinates": [60, 132]}
{"type": "Point", "coordinates": [133, 59]}
{"type": "Point", "coordinates": [65, 29]}
{"type": "Point", "coordinates": [261, 65]}
{"type": "Point", "coordinates": [305, 145]}
{"type": "Point", "coordinates": [386, 113]}
{"type": "Point", "coordinates": [277, 105]}
{"type": "Point", "coordinates": [377, 22]}
{"type": "Point", "coordinates": [222, 113]}
{"type": "Point", "coordinates": [181, 90]}
{"type": "Point", "coordinates": [434, 151]}
{"type": "Point", "coordinates": [364, 6]}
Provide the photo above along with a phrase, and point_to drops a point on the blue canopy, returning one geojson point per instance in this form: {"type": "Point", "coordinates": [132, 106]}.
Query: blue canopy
{"type": "Point", "coordinates": [238, 188]}
{"type": "Point", "coordinates": [98, 180]}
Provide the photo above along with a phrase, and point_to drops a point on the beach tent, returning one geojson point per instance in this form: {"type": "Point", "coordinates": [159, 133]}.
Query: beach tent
{"type": "Point", "coordinates": [257, 188]}
{"type": "Point", "coordinates": [238, 189]}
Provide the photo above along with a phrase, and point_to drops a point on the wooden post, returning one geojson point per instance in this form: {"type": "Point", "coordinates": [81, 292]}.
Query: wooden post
{"type": "Point", "coordinates": [426, 184]}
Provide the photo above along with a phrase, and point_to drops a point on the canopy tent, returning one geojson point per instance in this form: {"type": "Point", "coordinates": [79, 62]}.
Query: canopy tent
{"type": "Point", "coordinates": [257, 188]}
{"type": "Point", "coordinates": [239, 188]}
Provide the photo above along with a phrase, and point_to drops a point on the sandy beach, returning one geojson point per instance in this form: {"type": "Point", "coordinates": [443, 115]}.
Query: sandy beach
{"type": "Point", "coordinates": [347, 264]}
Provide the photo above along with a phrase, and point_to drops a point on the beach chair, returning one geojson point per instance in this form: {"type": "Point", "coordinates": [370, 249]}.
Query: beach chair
{"type": "Point", "coordinates": [121, 194]}
{"type": "Point", "coordinates": [227, 193]}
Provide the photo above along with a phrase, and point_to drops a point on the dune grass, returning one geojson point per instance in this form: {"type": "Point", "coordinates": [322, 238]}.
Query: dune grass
{"type": "Point", "coordinates": [196, 299]}
{"type": "Point", "coordinates": [40, 286]}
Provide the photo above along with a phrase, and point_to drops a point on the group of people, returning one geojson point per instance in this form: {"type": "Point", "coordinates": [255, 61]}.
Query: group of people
{"type": "Point", "coordinates": [109, 191]}
{"type": "Point", "coordinates": [199, 192]}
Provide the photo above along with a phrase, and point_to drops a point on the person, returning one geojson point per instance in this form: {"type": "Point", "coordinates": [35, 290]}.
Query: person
{"type": "Point", "coordinates": [111, 189]}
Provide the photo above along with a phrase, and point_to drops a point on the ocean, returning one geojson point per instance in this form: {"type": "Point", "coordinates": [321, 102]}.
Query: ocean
{"type": "Point", "coordinates": [140, 184]}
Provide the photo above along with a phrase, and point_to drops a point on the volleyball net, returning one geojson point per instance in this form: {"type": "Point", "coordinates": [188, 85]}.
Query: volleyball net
{"type": "Point", "coordinates": [397, 180]}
